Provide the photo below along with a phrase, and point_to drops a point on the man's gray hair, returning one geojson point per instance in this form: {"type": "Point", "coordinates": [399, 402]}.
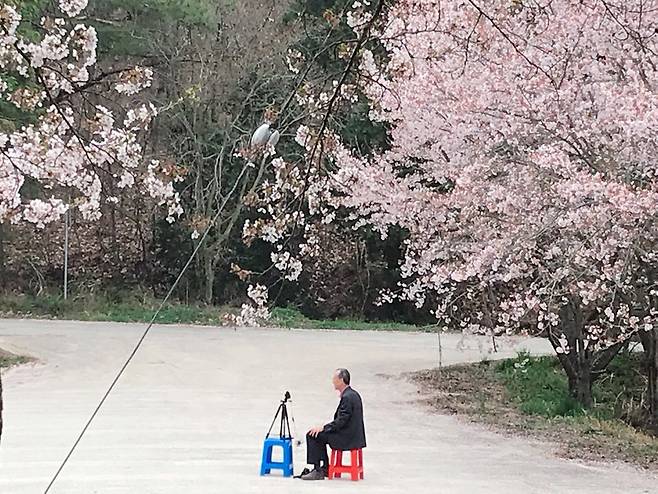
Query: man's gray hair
{"type": "Point", "coordinates": [343, 375]}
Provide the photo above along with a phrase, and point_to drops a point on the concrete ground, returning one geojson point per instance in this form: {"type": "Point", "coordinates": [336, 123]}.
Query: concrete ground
{"type": "Point", "coordinates": [190, 414]}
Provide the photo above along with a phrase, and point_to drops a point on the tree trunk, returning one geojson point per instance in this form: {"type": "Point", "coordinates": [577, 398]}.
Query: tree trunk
{"type": "Point", "coordinates": [209, 269]}
{"type": "Point", "coordinates": [582, 387]}
{"type": "Point", "coordinates": [650, 344]}
{"type": "Point", "coordinates": [3, 274]}
{"type": "Point", "coordinates": [0, 405]}
{"type": "Point", "coordinates": [578, 363]}
{"type": "Point", "coordinates": [115, 243]}
{"type": "Point", "coordinates": [653, 378]}
{"type": "Point", "coordinates": [578, 368]}
{"type": "Point", "coordinates": [582, 365]}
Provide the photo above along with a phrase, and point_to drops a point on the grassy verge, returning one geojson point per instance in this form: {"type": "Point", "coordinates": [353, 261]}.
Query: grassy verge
{"type": "Point", "coordinates": [291, 318]}
{"type": "Point", "coordinates": [130, 308]}
{"type": "Point", "coordinates": [529, 396]}
{"type": "Point", "coordinates": [103, 308]}
{"type": "Point", "coordinates": [9, 359]}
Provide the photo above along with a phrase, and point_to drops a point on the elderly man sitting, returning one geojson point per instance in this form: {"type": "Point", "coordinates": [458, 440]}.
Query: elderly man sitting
{"type": "Point", "coordinates": [345, 432]}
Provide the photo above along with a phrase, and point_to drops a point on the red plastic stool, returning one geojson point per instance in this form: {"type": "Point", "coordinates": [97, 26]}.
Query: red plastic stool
{"type": "Point", "coordinates": [355, 468]}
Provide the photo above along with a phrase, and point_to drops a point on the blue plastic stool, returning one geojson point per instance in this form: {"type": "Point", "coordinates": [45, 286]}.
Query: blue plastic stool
{"type": "Point", "coordinates": [267, 464]}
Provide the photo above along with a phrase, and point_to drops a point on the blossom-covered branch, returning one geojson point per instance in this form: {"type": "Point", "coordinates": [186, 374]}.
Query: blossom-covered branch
{"type": "Point", "coordinates": [67, 146]}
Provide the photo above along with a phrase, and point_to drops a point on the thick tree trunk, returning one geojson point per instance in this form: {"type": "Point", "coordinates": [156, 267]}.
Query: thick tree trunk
{"type": "Point", "coordinates": [578, 362]}
{"type": "Point", "coordinates": [578, 367]}
{"type": "Point", "coordinates": [582, 388]}
{"type": "Point", "coordinates": [650, 343]}
{"type": "Point", "coordinates": [581, 364]}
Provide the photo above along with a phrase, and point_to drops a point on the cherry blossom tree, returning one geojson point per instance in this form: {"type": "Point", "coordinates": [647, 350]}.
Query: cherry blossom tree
{"type": "Point", "coordinates": [61, 150]}
{"type": "Point", "coordinates": [67, 146]}
{"type": "Point", "coordinates": [524, 166]}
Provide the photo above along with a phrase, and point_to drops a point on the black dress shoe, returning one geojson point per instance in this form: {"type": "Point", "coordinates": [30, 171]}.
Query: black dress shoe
{"type": "Point", "coordinates": [315, 474]}
{"type": "Point", "coordinates": [304, 472]}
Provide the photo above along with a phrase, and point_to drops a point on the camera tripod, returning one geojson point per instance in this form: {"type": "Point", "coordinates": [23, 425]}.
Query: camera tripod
{"type": "Point", "coordinates": [284, 441]}
{"type": "Point", "coordinates": [284, 424]}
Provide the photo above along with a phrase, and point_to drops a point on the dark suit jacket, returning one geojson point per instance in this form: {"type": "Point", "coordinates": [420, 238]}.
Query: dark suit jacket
{"type": "Point", "coordinates": [347, 431]}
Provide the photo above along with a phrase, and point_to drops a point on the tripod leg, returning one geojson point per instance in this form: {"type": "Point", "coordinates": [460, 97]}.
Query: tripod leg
{"type": "Point", "coordinates": [284, 415]}
{"type": "Point", "coordinates": [273, 421]}
{"type": "Point", "coordinates": [285, 424]}
{"type": "Point", "coordinates": [288, 425]}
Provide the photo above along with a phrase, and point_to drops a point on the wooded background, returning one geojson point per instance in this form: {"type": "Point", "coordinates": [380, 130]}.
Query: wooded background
{"type": "Point", "coordinates": [221, 68]}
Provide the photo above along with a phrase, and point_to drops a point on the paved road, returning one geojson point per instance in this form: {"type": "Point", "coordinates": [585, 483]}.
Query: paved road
{"type": "Point", "coordinates": [189, 415]}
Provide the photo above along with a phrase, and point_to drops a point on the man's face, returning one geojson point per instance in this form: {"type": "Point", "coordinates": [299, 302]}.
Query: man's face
{"type": "Point", "coordinates": [337, 381]}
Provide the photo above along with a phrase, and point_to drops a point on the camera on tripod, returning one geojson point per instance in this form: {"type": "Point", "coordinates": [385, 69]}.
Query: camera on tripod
{"type": "Point", "coordinates": [284, 423]}
{"type": "Point", "coordinates": [284, 441]}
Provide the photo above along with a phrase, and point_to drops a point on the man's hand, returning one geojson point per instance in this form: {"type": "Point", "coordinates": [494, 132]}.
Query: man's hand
{"type": "Point", "coordinates": [316, 430]}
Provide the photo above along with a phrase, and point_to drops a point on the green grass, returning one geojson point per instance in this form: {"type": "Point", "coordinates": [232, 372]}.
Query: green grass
{"type": "Point", "coordinates": [129, 307]}
{"type": "Point", "coordinates": [618, 424]}
{"type": "Point", "coordinates": [9, 359]}
{"type": "Point", "coordinates": [539, 387]}
{"type": "Point", "coordinates": [529, 396]}
{"type": "Point", "coordinates": [123, 308]}
{"type": "Point", "coordinates": [292, 318]}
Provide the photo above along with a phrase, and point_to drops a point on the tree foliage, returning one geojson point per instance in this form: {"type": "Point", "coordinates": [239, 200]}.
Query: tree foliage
{"type": "Point", "coordinates": [523, 166]}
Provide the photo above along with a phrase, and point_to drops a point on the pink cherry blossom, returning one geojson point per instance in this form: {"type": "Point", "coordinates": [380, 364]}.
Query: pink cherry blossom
{"type": "Point", "coordinates": [70, 153]}
{"type": "Point", "coordinates": [524, 162]}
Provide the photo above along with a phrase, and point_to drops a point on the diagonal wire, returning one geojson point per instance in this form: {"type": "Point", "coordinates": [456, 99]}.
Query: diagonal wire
{"type": "Point", "coordinates": [173, 287]}
{"type": "Point", "coordinates": [148, 328]}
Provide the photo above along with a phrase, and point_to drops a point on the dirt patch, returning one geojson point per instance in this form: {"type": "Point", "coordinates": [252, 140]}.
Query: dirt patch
{"type": "Point", "coordinates": [476, 393]}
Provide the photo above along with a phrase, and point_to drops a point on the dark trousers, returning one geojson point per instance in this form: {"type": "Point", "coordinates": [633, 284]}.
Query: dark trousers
{"type": "Point", "coordinates": [316, 450]}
